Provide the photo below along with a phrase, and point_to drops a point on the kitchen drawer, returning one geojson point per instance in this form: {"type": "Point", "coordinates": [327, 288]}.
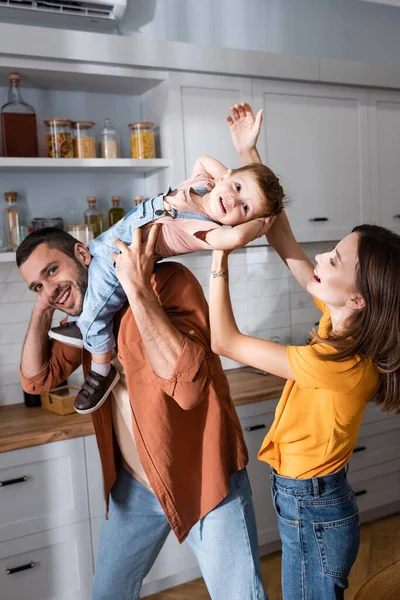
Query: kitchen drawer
{"type": "Point", "coordinates": [255, 429]}
{"type": "Point", "coordinates": [377, 448]}
{"type": "Point", "coordinates": [55, 565]}
{"type": "Point", "coordinates": [374, 487]}
{"type": "Point", "coordinates": [42, 487]}
{"type": "Point", "coordinates": [374, 413]}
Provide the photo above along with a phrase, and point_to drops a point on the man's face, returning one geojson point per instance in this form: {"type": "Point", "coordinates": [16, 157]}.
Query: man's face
{"type": "Point", "coordinates": [59, 281]}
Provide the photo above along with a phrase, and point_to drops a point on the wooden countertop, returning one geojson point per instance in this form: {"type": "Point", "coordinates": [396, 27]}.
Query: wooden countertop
{"type": "Point", "coordinates": [22, 427]}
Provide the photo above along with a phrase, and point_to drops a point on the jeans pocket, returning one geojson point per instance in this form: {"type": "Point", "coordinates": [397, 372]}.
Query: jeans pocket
{"type": "Point", "coordinates": [286, 508]}
{"type": "Point", "coordinates": [338, 542]}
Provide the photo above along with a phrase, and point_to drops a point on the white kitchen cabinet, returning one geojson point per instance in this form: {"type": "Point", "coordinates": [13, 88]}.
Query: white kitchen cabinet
{"type": "Point", "coordinates": [385, 161]}
{"type": "Point", "coordinates": [42, 487]}
{"type": "Point", "coordinates": [190, 111]}
{"type": "Point", "coordinates": [315, 138]}
{"type": "Point", "coordinates": [51, 565]}
{"type": "Point", "coordinates": [256, 419]}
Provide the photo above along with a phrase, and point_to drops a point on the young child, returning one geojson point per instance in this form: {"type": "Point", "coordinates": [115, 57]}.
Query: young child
{"type": "Point", "coordinates": [193, 217]}
{"type": "Point", "coordinates": [353, 358]}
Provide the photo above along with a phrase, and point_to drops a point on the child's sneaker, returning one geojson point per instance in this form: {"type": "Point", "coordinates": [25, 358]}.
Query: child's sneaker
{"type": "Point", "coordinates": [95, 391]}
{"type": "Point", "coordinates": [67, 333]}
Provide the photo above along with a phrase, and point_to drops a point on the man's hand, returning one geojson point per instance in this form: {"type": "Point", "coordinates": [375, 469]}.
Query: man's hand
{"type": "Point", "coordinates": [134, 265]}
{"type": "Point", "coordinates": [244, 127]}
{"type": "Point", "coordinates": [42, 307]}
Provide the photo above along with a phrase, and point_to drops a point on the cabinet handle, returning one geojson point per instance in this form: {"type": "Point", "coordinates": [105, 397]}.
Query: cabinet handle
{"type": "Point", "coordinates": [12, 481]}
{"type": "Point", "coordinates": [359, 449]}
{"type": "Point", "coordinates": [315, 219]}
{"type": "Point", "coordinates": [396, 216]}
{"type": "Point", "coordinates": [21, 568]}
{"type": "Point", "coordinates": [360, 493]}
{"type": "Point", "coordinates": [255, 427]}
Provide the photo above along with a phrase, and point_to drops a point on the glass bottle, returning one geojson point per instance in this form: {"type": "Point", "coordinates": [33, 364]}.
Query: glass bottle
{"type": "Point", "coordinates": [18, 124]}
{"type": "Point", "coordinates": [137, 200]}
{"type": "Point", "coordinates": [109, 144]}
{"type": "Point", "coordinates": [12, 219]}
{"type": "Point", "coordinates": [93, 216]}
{"type": "Point", "coordinates": [116, 213]}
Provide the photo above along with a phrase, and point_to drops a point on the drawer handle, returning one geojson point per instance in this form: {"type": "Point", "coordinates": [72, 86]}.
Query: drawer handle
{"type": "Point", "coordinates": [360, 493]}
{"type": "Point", "coordinates": [255, 427]}
{"type": "Point", "coordinates": [21, 568]}
{"type": "Point", "coordinates": [359, 449]}
{"type": "Point", "coordinates": [12, 481]}
{"type": "Point", "coordinates": [319, 219]}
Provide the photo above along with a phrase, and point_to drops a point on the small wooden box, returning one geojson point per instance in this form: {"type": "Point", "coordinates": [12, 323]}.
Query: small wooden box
{"type": "Point", "coordinates": [60, 400]}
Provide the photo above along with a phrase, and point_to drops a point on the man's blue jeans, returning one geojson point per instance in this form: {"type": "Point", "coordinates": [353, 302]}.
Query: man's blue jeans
{"type": "Point", "coordinates": [224, 543]}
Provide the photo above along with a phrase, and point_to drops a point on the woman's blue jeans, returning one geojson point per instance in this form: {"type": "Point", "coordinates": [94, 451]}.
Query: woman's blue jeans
{"type": "Point", "coordinates": [224, 543]}
{"type": "Point", "coordinates": [320, 533]}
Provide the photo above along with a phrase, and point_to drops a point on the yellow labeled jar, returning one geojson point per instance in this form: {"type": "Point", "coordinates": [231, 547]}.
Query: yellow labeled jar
{"type": "Point", "coordinates": [59, 138]}
{"type": "Point", "coordinates": [142, 140]}
{"type": "Point", "coordinates": [84, 141]}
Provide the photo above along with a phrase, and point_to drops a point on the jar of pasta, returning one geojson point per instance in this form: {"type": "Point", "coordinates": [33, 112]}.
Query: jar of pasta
{"type": "Point", "coordinates": [59, 138]}
{"type": "Point", "coordinates": [142, 140]}
{"type": "Point", "coordinates": [84, 139]}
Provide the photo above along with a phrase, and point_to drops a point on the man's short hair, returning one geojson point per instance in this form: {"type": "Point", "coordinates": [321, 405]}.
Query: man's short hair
{"type": "Point", "coordinates": [53, 238]}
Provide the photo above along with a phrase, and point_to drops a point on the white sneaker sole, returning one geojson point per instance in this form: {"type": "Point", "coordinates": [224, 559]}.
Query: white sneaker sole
{"type": "Point", "coordinates": [66, 340]}
{"type": "Point", "coordinates": [104, 398]}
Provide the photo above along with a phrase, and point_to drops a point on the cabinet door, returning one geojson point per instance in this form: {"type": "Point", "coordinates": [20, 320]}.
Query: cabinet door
{"type": "Point", "coordinates": [385, 155]}
{"type": "Point", "coordinates": [42, 487]}
{"type": "Point", "coordinates": [53, 565]}
{"type": "Point", "coordinates": [315, 139]}
{"type": "Point", "coordinates": [254, 430]}
{"type": "Point", "coordinates": [203, 103]}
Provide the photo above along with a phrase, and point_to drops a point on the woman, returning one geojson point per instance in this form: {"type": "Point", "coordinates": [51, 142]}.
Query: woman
{"type": "Point", "coordinates": [354, 357]}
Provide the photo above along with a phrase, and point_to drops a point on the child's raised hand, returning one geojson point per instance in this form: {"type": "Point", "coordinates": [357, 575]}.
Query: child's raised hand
{"type": "Point", "coordinates": [244, 127]}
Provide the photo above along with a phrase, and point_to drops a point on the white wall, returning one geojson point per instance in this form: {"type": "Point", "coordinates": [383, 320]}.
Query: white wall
{"type": "Point", "coordinates": [344, 29]}
{"type": "Point", "coordinates": [349, 29]}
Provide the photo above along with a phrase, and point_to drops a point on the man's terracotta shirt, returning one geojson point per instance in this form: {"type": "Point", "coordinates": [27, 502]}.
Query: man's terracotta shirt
{"type": "Point", "coordinates": [186, 429]}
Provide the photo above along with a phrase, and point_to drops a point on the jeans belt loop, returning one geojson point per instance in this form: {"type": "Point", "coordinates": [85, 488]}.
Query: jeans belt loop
{"type": "Point", "coordinates": [315, 484]}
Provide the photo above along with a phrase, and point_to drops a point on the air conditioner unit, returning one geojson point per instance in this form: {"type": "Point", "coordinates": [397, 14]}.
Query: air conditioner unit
{"type": "Point", "coordinates": [99, 14]}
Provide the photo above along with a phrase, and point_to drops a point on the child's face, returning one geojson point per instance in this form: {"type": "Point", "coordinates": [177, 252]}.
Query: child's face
{"type": "Point", "coordinates": [235, 199]}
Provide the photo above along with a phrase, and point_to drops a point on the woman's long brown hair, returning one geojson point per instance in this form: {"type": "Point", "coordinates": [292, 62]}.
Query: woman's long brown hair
{"type": "Point", "coordinates": [374, 332]}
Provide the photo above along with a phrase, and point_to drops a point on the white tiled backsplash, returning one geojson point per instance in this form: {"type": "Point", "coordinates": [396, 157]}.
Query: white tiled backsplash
{"type": "Point", "coordinates": [267, 302]}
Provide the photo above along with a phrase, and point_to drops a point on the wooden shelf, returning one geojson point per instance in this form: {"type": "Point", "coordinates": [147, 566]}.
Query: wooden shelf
{"type": "Point", "coordinates": [75, 165]}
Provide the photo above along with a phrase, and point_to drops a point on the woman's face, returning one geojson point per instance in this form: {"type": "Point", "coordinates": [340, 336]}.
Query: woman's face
{"type": "Point", "coordinates": [334, 280]}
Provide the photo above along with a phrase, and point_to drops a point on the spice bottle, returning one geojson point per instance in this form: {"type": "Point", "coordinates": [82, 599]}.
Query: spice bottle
{"type": "Point", "coordinates": [93, 216]}
{"type": "Point", "coordinates": [109, 144]}
{"type": "Point", "coordinates": [116, 213]}
{"type": "Point", "coordinates": [142, 140]}
{"type": "Point", "coordinates": [18, 123]}
{"type": "Point", "coordinates": [137, 200]}
{"type": "Point", "coordinates": [12, 218]}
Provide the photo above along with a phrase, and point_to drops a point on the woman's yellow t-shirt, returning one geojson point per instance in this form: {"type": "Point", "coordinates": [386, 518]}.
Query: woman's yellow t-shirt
{"type": "Point", "coordinates": [318, 416]}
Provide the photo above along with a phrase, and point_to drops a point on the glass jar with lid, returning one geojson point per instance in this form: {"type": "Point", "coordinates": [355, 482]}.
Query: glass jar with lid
{"type": "Point", "coordinates": [109, 144]}
{"type": "Point", "coordinates": [142, 140]}
{"type": "Point", "coordinates": [59, 138]}
{"type": "Point", "coordinates": [83, 232]}
{"type": "Point", "coordinates": [84, 139]}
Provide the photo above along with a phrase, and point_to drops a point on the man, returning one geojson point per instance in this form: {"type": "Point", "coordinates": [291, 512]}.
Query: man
{"type": "Point", "coordinates": [171, 446]}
